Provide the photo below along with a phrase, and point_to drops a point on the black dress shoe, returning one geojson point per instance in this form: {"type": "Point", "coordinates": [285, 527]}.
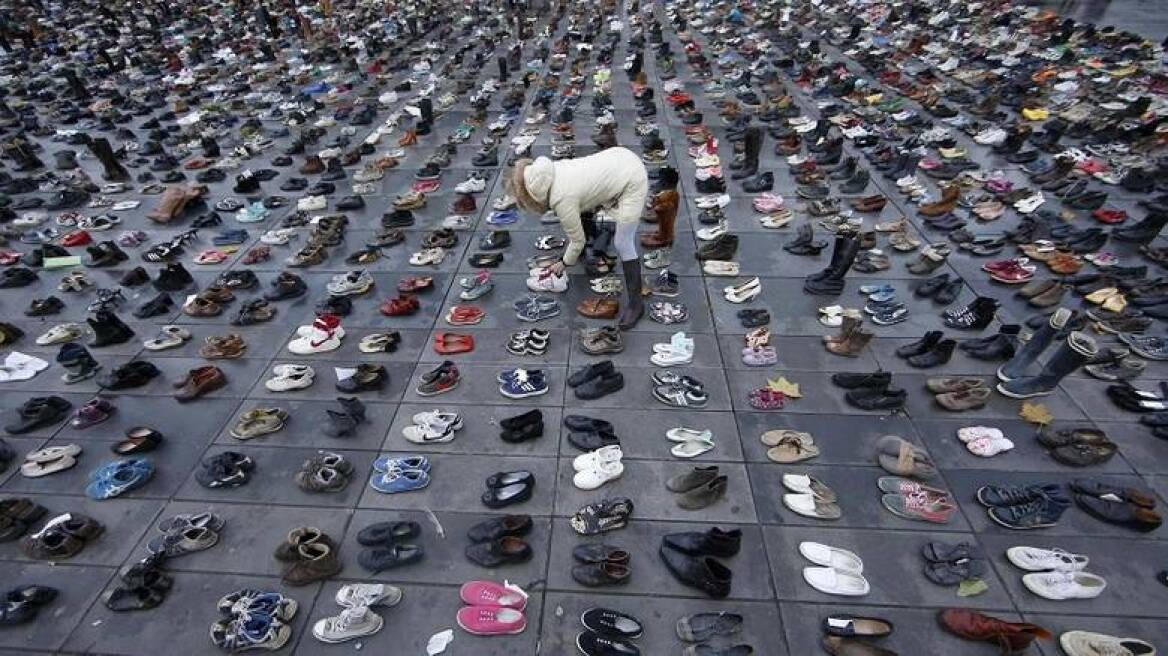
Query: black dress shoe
{"type": "Point", "coordinates": [877, 398]}
{"type": "Point", "coordinates": [500, 527]}
{"type": "Point", "coordinates": [383, 558]}
{"type": "Point", "coordinates": [600, 553]}
{"type": "Point", "coordinates": [592, 440]}
{"type": "Point", "coordinates": [508, 488]}
{"type": "Point", "coordinates": [936, 356]}
{"type": "Point", "coordinates": [603, 573]}
{"type": "Point", "coordinates": [878, 379]}
{"type": "Point", "coordinates": [582, 423]}
{"type": "Point", "coordinates": [714, 542]}
{"type": "Point", "coordinates": [702, 573]}
{"type": "Point", "coordinates": [590, 372]}
{"type": "Point", "coordinates": [503, 551]}
{"type": "Point", "coordinates": [600, 387]}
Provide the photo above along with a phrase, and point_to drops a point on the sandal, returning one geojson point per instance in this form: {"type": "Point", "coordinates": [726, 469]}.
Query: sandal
{"type": "Point", "coordinates": [606, 515]}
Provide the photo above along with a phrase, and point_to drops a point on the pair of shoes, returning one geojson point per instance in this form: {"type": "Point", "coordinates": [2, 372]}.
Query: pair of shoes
{"type": "Point", "coordinates": [871, 391]}
{"type": "Point", "coordinates": [324, 472]}
{"type": "Point", "coordinates": [499, 541]}
{"type": "Point", "coordinates": [595, 381]}
{"type": "Point", "coordinates": [253, 619]}
{"type": "Point", "coordinates": [693, 559]}
{"type": "Point", "coordinates": [357, 620]}
{"type": "Point", "coordinates": [1024, 506]}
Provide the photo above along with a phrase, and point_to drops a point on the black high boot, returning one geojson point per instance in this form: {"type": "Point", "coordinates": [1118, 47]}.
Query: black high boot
{"type": "Point", "coordinates": [1074, 353]}
{"type": "Point", "coordinates": [26, 159]}
{"type": "Point", "coordinates": [832, 281]}
{"type": "Point", "coordinates": [502, 61]}
{"type": "Point", "coordinates": [836, 252]}
{"type": "Point", "coordinates": [113, 169]}
{"type": "Point", "coordinates": [634, 306]}
{"type": "Point", "coordinates": [210, 147]}
{"type": "Point", "coordinates": [427, 107]}
{"type": "Point", "coordinates": [1055, 328]}
{"type": "Point", "coordinates": [75, 85]}
{"type": "Point", "coordinates": [752, 145]}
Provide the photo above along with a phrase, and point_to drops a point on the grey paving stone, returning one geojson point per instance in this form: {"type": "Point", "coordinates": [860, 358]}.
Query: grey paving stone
{"type": "Point", "coordinates": [77, 588]}
{"type": "Point", "coordinates": [642, 539]}
{"type": "Point", "coordinates": [192, 607]}
{"type": "Point", "coordinates": [561, 621]}
{"type": "Point", "coordinates": [892, 565]}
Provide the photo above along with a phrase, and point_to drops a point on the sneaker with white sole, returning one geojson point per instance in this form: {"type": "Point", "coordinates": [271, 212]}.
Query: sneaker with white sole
{"type": "Point", "coordinates": [594, 478]}
{"type": "Point", "coordinates": [1034, 559]}
{"type": "Point", "coordinates": [547, 282]}
{"type": "Point", "coordinates": [355, 595]}
{"type": "Point", "coordinates": [1061, 586]}
{"type": "Point", "coordinates": [352, 623]}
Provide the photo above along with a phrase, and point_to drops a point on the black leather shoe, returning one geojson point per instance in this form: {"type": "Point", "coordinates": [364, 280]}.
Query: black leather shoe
{"type": "Point", "coordinates": [878, 379]}
{"type": "Point", "coordinates": [705, 574]}
{"type": "Point", "coordinates": [714, 542]}
{"type": "Point", "coordinates": [936, 356]}
{"type": "Point", "coordinates": [500, 527]}
{"type": "Point", "coordinates": [922, 345]}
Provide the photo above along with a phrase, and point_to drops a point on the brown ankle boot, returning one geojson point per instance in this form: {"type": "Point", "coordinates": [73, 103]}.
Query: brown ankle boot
{"type": "Point", "coordinates": [312, 165]}
{"type": "Point", "coordinates": [173, 201]}
{"type": "Point", "coordinates": [665, 210]}
{"type": "Point", "coordinates": [947, 203]}
{"type": "Point", "coordinates": [849, 326]}
{"type": "Point", "coordinates": [1011, 637]}
{"type": "Point", "coordinates": [852, 345]}
{"type": "Point", "coordinates": [409, 138]}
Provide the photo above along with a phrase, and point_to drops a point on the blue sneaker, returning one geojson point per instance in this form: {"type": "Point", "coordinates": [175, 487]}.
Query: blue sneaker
{"type": "Point", "coordinates": [399, 480]}
{"type": "Point", "coordinates": [503, 217]}
{"type": "Point", "coordinates": [524, 384]}
{"type": "Point", "coordinates": [117, 478]}
{"type": "Point", "coordinates": [511, 374]}
{"type": "Point", "coordinates": [388, 462]}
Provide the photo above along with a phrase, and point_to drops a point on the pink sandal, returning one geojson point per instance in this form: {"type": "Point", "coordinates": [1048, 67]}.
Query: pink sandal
{"type": "Point", "coordinates": [766, 399]}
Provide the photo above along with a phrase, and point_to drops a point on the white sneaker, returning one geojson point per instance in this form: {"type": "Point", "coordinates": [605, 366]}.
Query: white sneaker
{"type": "Point", "coordinates": [350, 284]}
{"type": "Point", "coordinates": [312, 203]}
{"type": "Point", "coordinates": [59, 334]}
{"type": "Point", "coordinates": [317, 341]}
{"type": "Point", "coordinates": [679, 350]}
{"type": "Point", "coordinates": [368, 594]}
{"type": "Point", "coordinates": [548, 283]}
{"type": "Point", "coordinates": [288, 377]}
{"type": "Point", "coordinates": [352, 623]}
{"type": "Point", "coordinates": [592, 479]}
{"type": "Point", "coordinates": [1088, 643]}
{"type": "Point", "coordinates": [1060, 586]}
{"type": "Point", "coordinates": [593, 459]}
{"type": "Point", "coordinates": [1034, 559]}
{"type": "Point", "coordinates": [713, 232]}
{"type": "Point", "coordinates": [471, 186]}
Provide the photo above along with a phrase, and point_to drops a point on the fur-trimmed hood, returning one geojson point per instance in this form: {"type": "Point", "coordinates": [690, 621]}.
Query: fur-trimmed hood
{"type": "Point", "coordinates": [531, 184]}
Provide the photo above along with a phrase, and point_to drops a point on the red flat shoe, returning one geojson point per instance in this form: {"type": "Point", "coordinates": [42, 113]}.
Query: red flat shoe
{"type": "Point", "coordinates": [451, 343]}
{"type": "Point", "coordinates": [1109, 216]}
{"type": "Point", "coordinates": [411, 284]}
{"type": "Point", "coordinates": [400, 306]}
{"type": "Point", "coordinates": [76, 238]}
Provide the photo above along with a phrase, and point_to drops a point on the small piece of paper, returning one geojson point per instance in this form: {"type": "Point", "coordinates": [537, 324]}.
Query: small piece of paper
{"type": "Point", "coordinates": [438, 642]}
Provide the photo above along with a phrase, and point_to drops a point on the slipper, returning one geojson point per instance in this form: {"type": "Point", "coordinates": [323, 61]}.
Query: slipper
{"type": "Point", "coordinates": [804, 484]}
{"type": "Point", "coordinates": [902, 458]}
{"type": "Point", "coordinates": [836, 582]}
{"type": "Point", "coordinates": [39, 469]}
{"type": "Point", "coordinates": [833, 557]}
{"type": "Point", "coordinates": [808, 505]}
{"type": "Point", "coordinates": [451, 343]}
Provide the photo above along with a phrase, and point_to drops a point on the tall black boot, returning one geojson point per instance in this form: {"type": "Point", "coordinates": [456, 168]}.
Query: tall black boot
{"type": "Point", "coordinates": [1054, 329]}
{"type": "Point", "coordinates": [26, 159]}
{"type": "Point", "coordinates": [75, 84]}
{"type": "Point", "coordinates": [752, 146]}
{"type": "Point", "coordinates": [832, 281]}
{"type": "Point", "coordinates": [114, 171]}
{"type": "Point", "coordinates": [210, 147]}
{"type": "Point", "coordinates": [502, 61]}
{"type": "Point", "coordinates": [634, 306]}
{"type": "Point", "coordinates": [1144, 231]}
{"type": "Point", "coordinates": [427, 107]}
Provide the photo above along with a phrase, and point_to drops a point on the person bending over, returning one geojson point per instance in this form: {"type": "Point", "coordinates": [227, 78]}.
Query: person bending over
{"type": "Point", "coordinates": [614, 180]}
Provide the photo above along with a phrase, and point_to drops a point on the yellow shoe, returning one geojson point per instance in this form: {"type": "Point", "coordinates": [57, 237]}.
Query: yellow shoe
{"type": "Point", "coordinates": [1116, 303]}
{"type": "Point", "coordinates": [1035, 114]}
{"type": "Point", "coordinates": [1101, 295]}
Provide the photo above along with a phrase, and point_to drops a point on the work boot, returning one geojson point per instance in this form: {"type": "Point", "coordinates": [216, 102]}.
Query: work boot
{"type": "Point", "coordinates": [1144, 231]}
{"type": "Point", "coordinates": [108, 329]}
{"type": "Point", "coordinates": [1074, 353]}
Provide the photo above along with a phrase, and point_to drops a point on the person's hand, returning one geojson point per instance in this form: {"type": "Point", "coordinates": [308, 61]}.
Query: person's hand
{"type": "Point", "coordinates": [556, 269]}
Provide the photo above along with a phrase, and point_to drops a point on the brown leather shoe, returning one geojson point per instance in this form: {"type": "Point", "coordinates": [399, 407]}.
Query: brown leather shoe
{"type": "Point", "coordinates": [947, 203]}
{"type": "Point", "coordinates": [837, 646]}
{"type": "Point", "coordinates": [869, 203]}
{"type": "Point", "coordinates": [199, 381]}
{"type": "Point", "coordinates": [223, 347]}
{"type": "Point", "coordinates": [1011, 637]}
{"type": "Point", "coordinates": [850, 346]}
{"type": "Point", "coordinates": [315, 561]}
{"type": "Point", "coordinates": [312, 166]}
{"type": "Point", "coordinates": [596, 307]}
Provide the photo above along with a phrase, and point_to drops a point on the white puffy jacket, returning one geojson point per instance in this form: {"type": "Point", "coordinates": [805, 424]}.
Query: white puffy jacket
{"type": "Point", "coordinates": [613, 179]}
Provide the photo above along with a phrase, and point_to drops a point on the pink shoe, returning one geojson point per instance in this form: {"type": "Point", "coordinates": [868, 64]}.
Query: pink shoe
{"type": "Point", "coordinates": [491, 620]}
{"type": "Point", "coordinates": [489, 593]}
{"type": "Point", "coordinates": [768, 202]}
